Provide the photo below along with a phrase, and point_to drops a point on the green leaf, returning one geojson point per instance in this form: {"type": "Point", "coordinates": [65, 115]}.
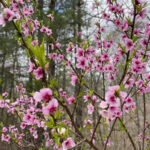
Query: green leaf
{"type": "Point", "coordinates": [86, 45]}
{"type": "Point", "coordinates": [49, 124]}
{"type": "Point", "coordinates": [135, 38]}
{"type": "Point", "coordinates": [91, 92]}
{"type": "Point", "coordinates": [0, 80]}
{"type": "Point", "coordinates": [18, 24]}
{"type": "Point", "coordinates": [82, 83]}
{"type": "Point", "coordinates": [58, 114]}
{"type": "Point", "coordinates": [123, 48]}
{"type": "Point", "coordinates": [80, 94]}
{"type": "Point", "coordinates": [53, 83]}
{"type": "Point", "coordinates": [8, 2]}
{"type": "Point", "coordinates": [38, 51]}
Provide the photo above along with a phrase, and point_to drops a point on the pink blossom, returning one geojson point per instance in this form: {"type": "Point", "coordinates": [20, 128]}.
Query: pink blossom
{"type": "Point", "coordinates": [108, 143]}
{"type": "Point", "coordinates": [90, 109]}
{"type": "Point", "coordinates": [82, 63]}
{"type": "Point", "coordinates": [38, 73]}
{"type": "Point", "coordinates": [8, 14]}
{"type": "Point", "coordinates": [31, 67]}
{"type": "Point", "coordinates": [86, 97]}
{"type": "Point", "coordinates": [4, 129]}
{"type": "Point", "coordinates": [74, 80]}
{"type": "Point", "coordinates": [80, 52]}
{"type": "Point", "coordinates": [2, 21]}
{"type": "Point", "coordinates": [147, 77]}
{"type": "Point", "coordinates": [112, 99]}
{"type": "Point", "coordinates": [45, 94]}
{"type": "Point", "coordinates": [94, 99]}
{"type": "Point", "coordinates": [43, 29]}
{"type": "Point", "coordinates": [52, 46]}
{"type": "Point", "coordinates": [2, 104]}
{"type": "Point", "coordinates": [104, 113]}
{"type": "Point", "coordinates": [71, 99]}
{"type": "Point", "coordinates": [23, 125]}
{"type": "Point", "coordinates": [5, 94]}
{"type": "Point", "coordinates": [129, 43]}
{"type": "Point", "coordinates": [144, 42]}
{"type": "Point", "coordinates": [69, 143]}
{"type": "Point", "coordinates": [125, 25]}
{"type": "Point", "coordinates": [35, 42]}
{"type": "Point", "coordinates": [37, 96]}
{"type": "Point", "coordinates": [5, 138]}
{"type": "Point", "coordinates": [50, 108]}
{"type": "Point", "coordinates": [129, 101]}
{"type": "Point", "coordinates": [51, 17]}
{"type": "Point", "coordinates": [49, 31]}
{"type": "Point", "coordinates": [103, 104]}
{"type": "Point", "coordinates": [58, 45]}
{"type": "Point", "coordinates": [48, 142]}
{"type": "Point", "coordinates": [129, 82]}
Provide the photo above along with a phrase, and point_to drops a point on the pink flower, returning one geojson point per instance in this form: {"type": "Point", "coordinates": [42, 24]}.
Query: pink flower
{"type": "Point", "coordinates": [69, 143]}
{"type": "Point", "coordinates": [31, 67]}
{"type": "Point", "coordinates": [144, 42]}
{"type": "Point", "coordinates": [80, 52]}
{"type": "Point", "coordinates": [74, 80]}
{"type": "Point", "coordinates": [129, 101]}
{"type": "Point", "coordinates": [51, 17]}
{"type": "Point", "coordinates": [104, 113]}
{"type": "Point", "coordinates": [90, 109]}
{"type": "Point", "coordinates": [38, 73]}
{"type": "Point", "coordinates": [35, 42]}
{"type": "Point", "coordinates": [51, 107]}
{"type": "Point", "coordinates": [4, 129]}
{"type": "Point", "coordinates": [108, 143]}
{"type": "Point", "coordinates": [5, 138]}
{"type": "Point", "coordinates": [86, 97]}
{"type": "Point", "coordinates": [112, 99]}
{"type": "Point", "coordinates": [9, 14]}
{"type": "Point", "coordinates": [103, 104]}
{"type": "Point", "coordinates": [94, 99]}
{"type": "Point", "coordinates": [49, 31]}
{"type": "Point", "coordinates": [5, 94]}
{"type": "Point", "coordinates": [129, 82]}
{"type": "Point", "coordinates": [28, 118]}
{"type": "Point", "coordinates": [43, 29]}
{"type": "Point", "coordinates": [37, 96]}
{"type": "Point", "coordinates": [45, 94]}
{"type": "Point", "coordinates": [82, 63]}
{"type": "Point", "coordinates": [147, 76]}
{"type": "Point", "coordinates": [126, 108]}
{"type": "Point", "coordinates": [48, 142]}
{"type": "Point", "coordinates": [2, 103]}
{"type": "Point", "coordinates": [2, 21]}
{"type": "Point", "coordinates": [129, 43]}
{"type": "Point", "coordinates": [125, 25]}
{"type": "Point", "coordinates": [23, 125]}
{"type": "Point", "coordinates": [71, 99]}
{"type": "Point", "coordinates": [58, 45]}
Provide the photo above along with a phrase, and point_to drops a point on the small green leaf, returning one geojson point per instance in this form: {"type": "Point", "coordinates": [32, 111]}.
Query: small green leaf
{"type": "Point", "coordinates": [86, 45]}
{"type": "Point", "coordinates": [8, 2]}
{"type": "Point", "coordinates": [0, 80]}
{"type": "Point", "coordinates": [49, 124]}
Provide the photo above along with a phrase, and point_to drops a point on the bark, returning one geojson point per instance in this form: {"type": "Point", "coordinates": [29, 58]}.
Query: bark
{"type": "Point", "coordinates": [79, 109]}
{"type": "Point", "coordinates": [52, 64]}
{"type": "Point", "coordinates": [2, 72]}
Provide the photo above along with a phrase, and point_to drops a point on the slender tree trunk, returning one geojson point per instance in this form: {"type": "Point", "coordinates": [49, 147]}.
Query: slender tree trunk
{"type": "Point", "coordinates": [12, 80]}
{"type": "Point", "coordinates": [79, 109]}
{"type": "Point", "coordinates": [2, 72]}
{"type": "Point", "coordinates": [138, 121]}
{"type": "Point", "coordinates": [52, 64]}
